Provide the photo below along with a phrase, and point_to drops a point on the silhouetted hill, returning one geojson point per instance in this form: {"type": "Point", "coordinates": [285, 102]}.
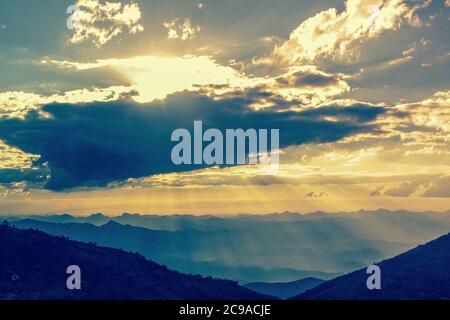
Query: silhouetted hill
{"type": "Point", "coordinates": [33, 266]}
{"type": "Point", "coordinates": [284, 290]}
{"type": "Point", "coordinates": [421, 273]}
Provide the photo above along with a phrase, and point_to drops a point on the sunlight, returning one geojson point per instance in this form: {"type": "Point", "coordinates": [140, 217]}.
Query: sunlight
{"type": "Point", "coordinates": [156, 77]}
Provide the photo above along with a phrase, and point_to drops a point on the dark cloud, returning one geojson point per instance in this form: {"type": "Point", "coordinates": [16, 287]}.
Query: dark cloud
{"type": "Point", "coordinates": [356, 113]}
{"type": "Point", "coordinates": [47, 78]}
{"type": "Point", "coordinates": [18, 175]}
{"type": "Point", "coordinates": [94, 144]}
{"type": "Point", "coordinates": [406, 189]}
{"type": "Point", "coordinates": [436, 187]}
{"type": "Point", "coordinates": [307, 79]}
{"type": "Point", "coordinates": [377, 192]}
{"type": "Point", "coordinates": [315, 195]}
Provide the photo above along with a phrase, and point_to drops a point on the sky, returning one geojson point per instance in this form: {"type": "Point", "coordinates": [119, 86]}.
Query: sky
{"type": "Point", "coordinates": [359, 90]}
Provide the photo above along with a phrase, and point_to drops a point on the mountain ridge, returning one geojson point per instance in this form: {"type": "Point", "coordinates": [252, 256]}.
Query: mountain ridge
{"type": "Point", "coordinates": [421, 273]}
{"type": "Point", "coordinates": [34, 267]}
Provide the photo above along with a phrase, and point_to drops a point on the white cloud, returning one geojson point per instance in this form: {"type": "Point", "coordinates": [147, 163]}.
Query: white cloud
{"type": "Point", "coordinates": [155, 77]}
{"type": "Point", "coordinates": [307, 84]}
{"type": "Point", "coordinates": [17, 104]}
{"type": "Point", "coordinates": [430, 113]}
{"type": "Point", "coordinates": [334, 35]}
{"type": "Point", "coordinates": [184, 30]}
{"type": "Point", "coordinates": [100, 21]}
{"type": "Point", "coordinates": [14, 158]}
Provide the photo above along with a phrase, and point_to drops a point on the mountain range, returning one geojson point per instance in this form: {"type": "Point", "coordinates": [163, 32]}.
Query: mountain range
{"type": "Point", "coordinates": [269, 248]}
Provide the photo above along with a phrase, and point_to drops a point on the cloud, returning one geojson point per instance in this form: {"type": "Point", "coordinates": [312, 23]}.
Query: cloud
{"type": "Point", "coordinates": [433, 112]}
{"type": "Point", "coordinates": [404, 190]}
{"type": "Point", "coordinates": [100, 21]}
{"type": "Point", "coordinates": [308, 79]}
{"type": "Point", "coordinates": [299, 87]}
{"type": "Point", "coordinates": [96, 143]}
{"type": "Point", "coordinates": [315, 195]}
{"type": "Point", "coordinates": [9, 176]}
{"type": "Point", "coordinates": [155, 77]}
{"type": "Point", "coordinates": [334, 35]}
{"type": "Point", "coordinates": [439, 188]}
{"type": "Point", "coordinates": [433, 185]}
{"type": "Point", "coordinates": [13, 158]}
{"type": "Point", "coordinates": [184, 30]}
{"type": "Point", "coordinates": [377, 192]}
{"type": "Point", "coordinates": [421, 129]}
{"type": "Point", "coordinates": [430, 150]}
{"type": "Point", "coordinates": [17, 104]}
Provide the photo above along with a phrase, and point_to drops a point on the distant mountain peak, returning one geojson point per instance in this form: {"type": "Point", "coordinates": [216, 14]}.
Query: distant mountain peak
{"type": "Point", "coordinates": [65, 215]}
{"type": "Point", "coordinates": [112, 224]}
{"type": "Point", "coordinates": [98, 215]}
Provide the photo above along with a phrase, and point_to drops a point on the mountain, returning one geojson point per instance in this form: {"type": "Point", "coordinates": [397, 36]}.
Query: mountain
{"type": "Point", "coordinates": [284, 290]}
{"type": "Point", "coordinates": [179, 222]}
{"type": "Point", "coordinates": [181, 250]}
{"type": "Point", "coordinates": [422, 273]}
{"type": "Point", "coordinates": [270, 248]}
{"type": "Point", "coordinates": [244, 273]}
{"type": "Point", "coordinates": [33, 266]}
{"type": "Point", "coordinates": [96, 218]}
